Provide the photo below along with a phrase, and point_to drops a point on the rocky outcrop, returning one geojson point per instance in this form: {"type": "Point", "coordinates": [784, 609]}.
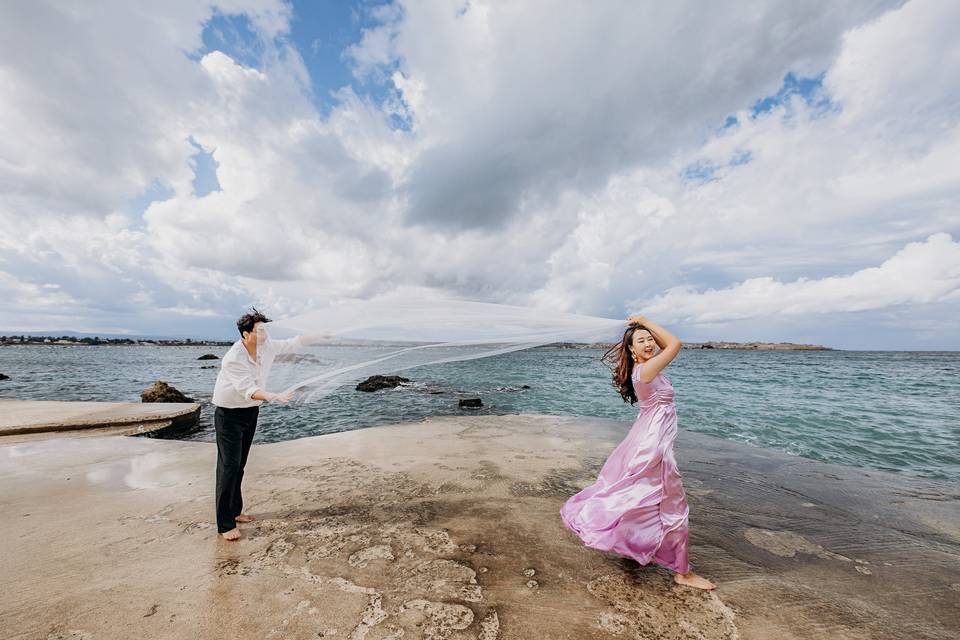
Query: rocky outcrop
{"type": "Point", "coordinates": [759, 346]}
{"type": "Point", "coordinates": [375, 383]}
{"type": "Point", "coordinates": [298, 358]}
{"type": "Point", "coordinates": [4, 377]}
{"type": "Point", "coordinates": [756, 346]}
{"type": "Point", "coordinates": [163, 392]}
{"type": "Point", "coordinates": [208, 356]}
{"type": "Point", "coordinates": [471, 403]}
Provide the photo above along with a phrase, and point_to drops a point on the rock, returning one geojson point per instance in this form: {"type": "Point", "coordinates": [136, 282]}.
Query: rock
{"type": "Point", "coordinates": [297, 358]}
{"type": "Point", "coordinates": [375, 383]}
{"type": "Point", "coordinates": [209, 366]}
{"type": "Point", "coordinates": [707, 345]}
{"type": "Point", "coordinates": [208, 356]}
{"type": "Point", "coordinates": [471, 403]}
{"type": "Point", "coordinates": [4, 377]}
{"type": "Point", "coordinates": [524, 386]}
{"type": "Point", "coordinates": [163, 392]}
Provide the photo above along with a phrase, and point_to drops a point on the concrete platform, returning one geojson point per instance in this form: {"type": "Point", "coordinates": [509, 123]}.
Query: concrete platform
{"type": "Point", "coordinates": [449, 530]}
{"type": "Point", "coordinates": [22, 420]}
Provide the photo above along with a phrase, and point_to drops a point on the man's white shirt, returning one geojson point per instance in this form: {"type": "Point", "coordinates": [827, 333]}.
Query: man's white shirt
{"type": "Point", "coordinates": [241, 376]}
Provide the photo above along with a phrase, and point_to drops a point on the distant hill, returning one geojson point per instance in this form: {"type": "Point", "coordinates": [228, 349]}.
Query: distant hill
{"type": "Point", "coordinates": [80, 339]}
{"type": "Point", "coordinates": [105, 335]}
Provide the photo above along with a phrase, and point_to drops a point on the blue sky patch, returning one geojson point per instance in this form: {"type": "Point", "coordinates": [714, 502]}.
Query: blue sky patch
{"type": "Point", "coordinates": [810, 89]}
{"type": "Point", "coordinates": [156, 192]}
{"type": "Point", "coordinates": [204, 171]}
{"type": "Point", "coordinates": [320, 31]}
{"type": "Point", "coordinates": [235, 36]}
{"type": "Point", "coordinates": [700, 172]}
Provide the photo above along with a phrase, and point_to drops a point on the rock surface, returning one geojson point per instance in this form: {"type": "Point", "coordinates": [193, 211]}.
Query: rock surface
{"type": "Point", "coordinates": [4, 376]}
{"type": "Point", "coordinates": [375, 383]}
{"type": "Point", "coordinates": [433, 529]}
{"type": "Point", "coordinates": [470, 403]}
{"type": "Point", "coordinates": [160, 391]}
{"type": "Point", "coordinates": [761, 346]}
{"type": "Point", "coordinates": [209, 356]}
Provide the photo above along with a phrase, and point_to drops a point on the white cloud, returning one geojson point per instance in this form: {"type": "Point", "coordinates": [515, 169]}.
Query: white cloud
{"type": "Point", "coordinates": [921, 273]}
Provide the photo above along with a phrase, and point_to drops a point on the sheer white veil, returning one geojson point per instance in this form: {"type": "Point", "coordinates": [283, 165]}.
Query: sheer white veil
{"type": "Point", "coordinates": [346, 342]}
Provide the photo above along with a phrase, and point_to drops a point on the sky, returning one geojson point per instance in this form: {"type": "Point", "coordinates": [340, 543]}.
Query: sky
{"type": "Point", "coordinates": [775, 171]}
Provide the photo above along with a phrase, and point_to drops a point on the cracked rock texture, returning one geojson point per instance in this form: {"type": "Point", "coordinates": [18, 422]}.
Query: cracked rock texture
{"type": "Point", "coordinates": [449, 528]}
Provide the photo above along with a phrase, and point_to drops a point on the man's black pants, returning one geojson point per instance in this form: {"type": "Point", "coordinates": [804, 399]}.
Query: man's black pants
{"type": "Point", "coordinates": [235, 429]}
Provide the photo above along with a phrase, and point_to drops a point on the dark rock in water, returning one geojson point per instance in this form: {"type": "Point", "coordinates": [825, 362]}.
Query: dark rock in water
{"type": "Point", "coordinates": [163, 392]}
{"type": "Point", "coordinates": [471, 403]}
{"type": "Point", "coordinates": [208, 356]}
{"type": "Point", "coordinates": [4, 377]}
{"type": "Point", "coordinates": [524, 386]}
{"type": "Point", "coordinates": [707, 345]}
{"type": "Point", "coordinates": [297, 358]}
{"type": "Point", "coordinates": [209, 366]}
{"type": "Point", "coordinates": [375, 383]}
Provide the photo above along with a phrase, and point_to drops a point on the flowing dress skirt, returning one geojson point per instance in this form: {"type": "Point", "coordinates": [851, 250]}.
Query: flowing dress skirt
{"type": "Point", "coordinates": [637, 507]}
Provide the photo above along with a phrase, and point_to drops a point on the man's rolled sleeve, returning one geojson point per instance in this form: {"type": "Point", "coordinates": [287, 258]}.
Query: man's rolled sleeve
{"type": "Point", "coordinates": [242, 379]}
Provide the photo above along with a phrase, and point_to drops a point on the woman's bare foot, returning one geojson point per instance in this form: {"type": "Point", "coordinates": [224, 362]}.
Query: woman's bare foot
{"type": "Point", "coordinates": [244, 518]}
{"type": "Point", "coordinates": [233, 534]}
{"type": "Point", "coordinates": [693, 580]}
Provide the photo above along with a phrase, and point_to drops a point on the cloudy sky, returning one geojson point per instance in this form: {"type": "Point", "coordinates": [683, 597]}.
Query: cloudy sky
{"type": "Point", "coordinates": [749, 170]}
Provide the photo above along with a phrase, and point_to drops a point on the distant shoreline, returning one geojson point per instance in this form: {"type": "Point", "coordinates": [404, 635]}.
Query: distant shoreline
{"type": "Point", "coordinates": [188, 342]}
{"type": "Point", "coordinates": [714, 344]}
{"type": "Point", "coordinates": [41, 341]}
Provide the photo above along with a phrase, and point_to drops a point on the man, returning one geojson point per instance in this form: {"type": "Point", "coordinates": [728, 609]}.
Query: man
{"type": "Point", "coordinates": [238, 394]}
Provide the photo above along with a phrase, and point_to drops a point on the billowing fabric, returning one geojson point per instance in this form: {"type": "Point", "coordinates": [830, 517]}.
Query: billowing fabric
{"type": "Point", "coordinates": [637, 507]}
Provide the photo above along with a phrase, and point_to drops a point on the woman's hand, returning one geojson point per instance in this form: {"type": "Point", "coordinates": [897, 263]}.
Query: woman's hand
{"type": "Point", "coordinates": [637, 319]}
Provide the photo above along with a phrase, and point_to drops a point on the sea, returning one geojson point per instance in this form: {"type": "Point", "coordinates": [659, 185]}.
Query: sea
{"type": "Point", "coordinates": [887, 410]}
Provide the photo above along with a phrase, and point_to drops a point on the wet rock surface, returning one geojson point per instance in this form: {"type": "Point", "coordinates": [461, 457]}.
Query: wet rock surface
{"type": "Point", "coordinates": [160, 391]}
{"type": "Point", "coordinates": [449, 529]}
{"type": "Point", "coordinates": [376, 383]}
{"type": "Point", "coordinates": [209, 356]}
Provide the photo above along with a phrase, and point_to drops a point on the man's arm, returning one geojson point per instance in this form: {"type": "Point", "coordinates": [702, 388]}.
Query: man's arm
{"type": "Point", "coordinates": [298, 342]}
{"type": "Point", "coordinates": [242, 379]}
{"type": "Point", "coordinates": [246, 384]}
{"type": "Point", "coordinates": [271, 397]}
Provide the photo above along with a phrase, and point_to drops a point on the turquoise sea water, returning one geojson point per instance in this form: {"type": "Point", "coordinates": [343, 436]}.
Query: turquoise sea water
{"type": "Point", "coordinates": [894, 411]}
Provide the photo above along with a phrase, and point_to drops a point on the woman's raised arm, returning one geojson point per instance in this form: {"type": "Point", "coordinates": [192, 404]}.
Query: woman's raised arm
{"type": "Point", "coordinates": [669, 348]}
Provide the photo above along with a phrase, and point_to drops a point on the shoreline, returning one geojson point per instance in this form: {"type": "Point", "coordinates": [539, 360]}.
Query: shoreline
{"type": "Point", "coordinates": [188, 342]}
{"type": "Point", "coordinates": [432, 528]}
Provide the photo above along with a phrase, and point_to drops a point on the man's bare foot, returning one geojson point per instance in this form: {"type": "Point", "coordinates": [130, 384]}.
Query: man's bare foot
{"type": "Point", "coordinates": [244, 518]}
{"type": "Point", "coordinates": [693, 580]}
{"type": "Point", "coordinates": [233, 534]}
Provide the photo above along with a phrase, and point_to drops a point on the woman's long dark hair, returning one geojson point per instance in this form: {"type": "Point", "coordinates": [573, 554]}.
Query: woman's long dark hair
{"type": "Point", "coordinates": [620, 358]}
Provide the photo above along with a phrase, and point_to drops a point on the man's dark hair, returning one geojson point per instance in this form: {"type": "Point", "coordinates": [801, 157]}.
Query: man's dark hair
{"type": "Point", "coordinates": [246, 321]}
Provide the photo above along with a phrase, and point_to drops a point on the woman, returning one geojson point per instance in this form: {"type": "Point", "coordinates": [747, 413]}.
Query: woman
{"type": "Point", "coordinates": [637, 508]}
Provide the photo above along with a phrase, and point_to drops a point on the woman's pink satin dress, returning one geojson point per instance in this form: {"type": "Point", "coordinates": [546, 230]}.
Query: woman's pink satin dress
{"type": "Point", "coordinates": [637, 507]}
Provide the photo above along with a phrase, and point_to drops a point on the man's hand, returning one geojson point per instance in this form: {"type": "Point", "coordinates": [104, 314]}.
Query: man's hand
{"type": "Point", "coordinates": [279, 397]}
